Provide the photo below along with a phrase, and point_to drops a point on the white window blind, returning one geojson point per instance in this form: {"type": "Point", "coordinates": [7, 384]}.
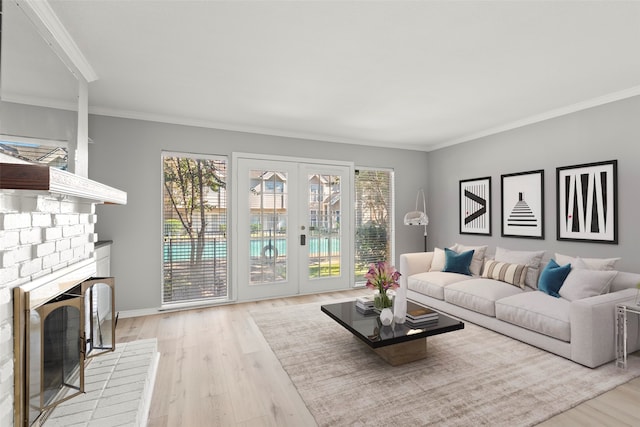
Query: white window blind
{"type": "Point", "coordinates": [374, 227]}
{"type": "Point", "coordinates": [195, 255]}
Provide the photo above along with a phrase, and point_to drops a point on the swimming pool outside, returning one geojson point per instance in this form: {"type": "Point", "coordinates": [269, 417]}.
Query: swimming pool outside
{"type": "Point", "coordinates": [176, 250]}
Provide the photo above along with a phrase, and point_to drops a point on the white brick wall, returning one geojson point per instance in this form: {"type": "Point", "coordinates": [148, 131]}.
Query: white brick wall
{"type": "Point", "coordinates": [13, 221]}
{"type": "Point", "coordinates": [39, 234]}
{"type": "Point", "coordinates": [9, 239]}
{"type": "Point", "coordinates": [41, 220]}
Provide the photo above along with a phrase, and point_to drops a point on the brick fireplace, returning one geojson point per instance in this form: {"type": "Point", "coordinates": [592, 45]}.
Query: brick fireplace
{"type": "Point", "coordinates": [47, 227]}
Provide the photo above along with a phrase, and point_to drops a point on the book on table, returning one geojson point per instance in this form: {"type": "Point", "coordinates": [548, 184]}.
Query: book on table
{"type": "Point", "coordinates": [422, 323]}
{"type": "Point", "coordinates": [365, 299]}
{"type": "Point", "coordinates": [365, 302]}
{"type": "Point", "coordinates": [364, 310]}
{"type": "Point", "coordinates": [417, 313]}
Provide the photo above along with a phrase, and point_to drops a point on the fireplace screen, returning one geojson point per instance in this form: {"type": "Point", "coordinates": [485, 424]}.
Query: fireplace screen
{"type": "Point", "coordinates": [59, 334]}
{"type": "Point", "coordinates": [100, 326]}
{"type": "Point", "coordinates": [54, 353]}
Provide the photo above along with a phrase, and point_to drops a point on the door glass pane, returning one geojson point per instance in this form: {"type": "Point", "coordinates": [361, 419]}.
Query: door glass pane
{"type": "Point", "coordinates": [269, 213]}
{"type": "Point", "coordinates": [195, 228]}
{"type": "Point", "coordinates": [323, 218]}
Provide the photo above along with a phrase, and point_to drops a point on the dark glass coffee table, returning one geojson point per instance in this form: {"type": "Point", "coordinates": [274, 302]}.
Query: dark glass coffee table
{"type": "Point", "coordinates": [397, 343]}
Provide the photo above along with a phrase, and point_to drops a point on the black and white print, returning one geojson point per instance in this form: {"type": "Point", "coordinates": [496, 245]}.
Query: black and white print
{"type": "Point", "coordinates": [523, 204]}
{"type": "Point", "coordinates": [475, 206]}
{"type": "Point", "coordinates": [587, 202]}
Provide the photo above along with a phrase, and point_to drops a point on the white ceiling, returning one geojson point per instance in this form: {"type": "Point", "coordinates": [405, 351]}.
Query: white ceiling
{"type": "Point", "coordinates": [410, 74]}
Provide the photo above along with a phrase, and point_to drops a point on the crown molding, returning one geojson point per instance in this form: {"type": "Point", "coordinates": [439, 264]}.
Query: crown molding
{"type": "Point", "coordinates": [573, 108]}
{"type": "Point", "coordinates": [552, 114]}
{"type": "Point", "coordinates": [38, 101]}
{"type": "Point", "coordinates": [210, 124]}
{"type": "Point", "coordinates": [56, 35]}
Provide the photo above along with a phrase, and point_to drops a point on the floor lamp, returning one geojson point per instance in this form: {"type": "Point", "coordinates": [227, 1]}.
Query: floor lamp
{"type": "Point", "coordinates": [419, 217]}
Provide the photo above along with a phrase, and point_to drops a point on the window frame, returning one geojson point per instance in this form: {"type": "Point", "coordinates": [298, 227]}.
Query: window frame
{"type": "Point", "coordinates": [164, 305]}
{"type": "Point", "coordinates": [391, 233]}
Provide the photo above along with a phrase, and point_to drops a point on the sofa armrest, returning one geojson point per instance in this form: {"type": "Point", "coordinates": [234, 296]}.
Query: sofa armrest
{"type": "Point", "coordinates": [414, 263]}
{"type": "Point", "coordinates": [593, 327]}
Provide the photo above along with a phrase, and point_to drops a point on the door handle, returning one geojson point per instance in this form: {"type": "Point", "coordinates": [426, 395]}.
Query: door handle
{"type": "Point", "coordinates": [303, 239]}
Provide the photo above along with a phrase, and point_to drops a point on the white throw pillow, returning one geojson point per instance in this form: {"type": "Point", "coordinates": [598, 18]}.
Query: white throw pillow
{"type": "Point", "coordinates": [592, 263]}
{"type": "Point", "coordinates": [438, 261]}
{"type": "Point", "coordinates": [529, 258]}
{"type": "Point", "coordinates": [579, 264]}
{"type": "Point", "coordinates": [478, 256]}
{"type": "Point", "coordinates": [581, 283]}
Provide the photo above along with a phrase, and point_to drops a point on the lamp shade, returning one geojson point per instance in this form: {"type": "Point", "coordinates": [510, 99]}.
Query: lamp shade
{"type": "Point", "coordinates": [416, 218]}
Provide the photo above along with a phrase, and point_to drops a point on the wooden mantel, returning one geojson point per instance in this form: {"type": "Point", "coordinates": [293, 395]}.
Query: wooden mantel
{"type": "Point", "coordinates": [21, 176]}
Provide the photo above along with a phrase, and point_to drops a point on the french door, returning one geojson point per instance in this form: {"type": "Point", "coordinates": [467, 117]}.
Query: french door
{"type": "Point", "coordinates": [293, 227]}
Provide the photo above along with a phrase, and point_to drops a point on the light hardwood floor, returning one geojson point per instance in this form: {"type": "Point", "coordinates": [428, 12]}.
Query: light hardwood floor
{"type": "Point", "coordinates": [216, 369]}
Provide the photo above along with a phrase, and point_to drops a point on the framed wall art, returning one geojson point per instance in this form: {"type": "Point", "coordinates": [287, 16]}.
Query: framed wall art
{"type": "Point", "coordinates": [522, 201]}
{"type": "Point", "coordinates": [475, 206]}
{"type": "Point", "coordinates": [587, 202]}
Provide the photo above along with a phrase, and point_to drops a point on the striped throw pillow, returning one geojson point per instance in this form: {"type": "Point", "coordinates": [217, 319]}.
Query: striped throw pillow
{"type": "Point", "coordinates": [513, 274]}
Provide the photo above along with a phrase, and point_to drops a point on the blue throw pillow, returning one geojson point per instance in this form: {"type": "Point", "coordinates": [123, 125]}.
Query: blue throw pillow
{"type": "Point", "coordinates": [552, 278]}
{"type": "Point", "coordinates": [457, 262]}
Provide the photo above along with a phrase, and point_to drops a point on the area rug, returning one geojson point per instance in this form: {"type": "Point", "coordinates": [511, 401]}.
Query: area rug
{"type": "Point", "coordinates": [471, 377]}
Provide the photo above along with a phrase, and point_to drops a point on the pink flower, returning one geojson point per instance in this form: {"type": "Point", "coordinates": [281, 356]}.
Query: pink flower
{"type": "Point", "coordinates": [382, 276]}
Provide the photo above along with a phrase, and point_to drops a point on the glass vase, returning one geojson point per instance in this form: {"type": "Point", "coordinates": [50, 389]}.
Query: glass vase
{"type": "Point", "coordinates": [382, 300]}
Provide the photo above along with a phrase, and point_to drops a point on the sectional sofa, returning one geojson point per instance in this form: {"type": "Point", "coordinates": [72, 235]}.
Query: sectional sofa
{"type": "Point", "coordinates": [500, 292]}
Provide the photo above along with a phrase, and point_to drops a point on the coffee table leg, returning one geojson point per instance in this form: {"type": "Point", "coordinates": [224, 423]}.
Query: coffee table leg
{"type": "Point", "coordinates": [405, 352]}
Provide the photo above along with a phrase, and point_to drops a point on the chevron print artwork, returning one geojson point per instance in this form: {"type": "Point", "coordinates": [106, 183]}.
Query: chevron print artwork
{"type": "Point", "coordinates": [474, 206]}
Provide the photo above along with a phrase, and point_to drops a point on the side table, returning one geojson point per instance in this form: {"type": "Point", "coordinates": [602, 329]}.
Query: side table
{"type": "Point", "coordinates": [623, 310]}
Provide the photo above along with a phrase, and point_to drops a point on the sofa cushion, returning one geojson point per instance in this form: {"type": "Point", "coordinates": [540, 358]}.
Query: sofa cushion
{"type": "Point", "coordinates": [513, 274]}
{"type": "Point", "coordinates": [479, 295]}
{"type": "Point", "coordinates": [457, 262]}
{"type": "Point", "coordinates": [529, 258]}
{"type": "Point", "coordinates": [538, 312]}
{"type": "Point", "coordinates": [432, 283]}
{"type": "Point", "coordinates": [478, 256]}
{"type": "Point", "coordinates": [552, 278]}
{"type": "Point", "coordinates": [591, 263]}
{"type": "Point", "coordinates": [582, 283]}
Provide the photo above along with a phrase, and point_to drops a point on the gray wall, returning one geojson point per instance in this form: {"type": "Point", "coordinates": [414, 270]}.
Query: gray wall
{"type": "Point", "coordinates": [38, 122]}
{"type": "Point", "coordinates": [126, 154]}
{"type": "Point", "coordinates": [607, 132]}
